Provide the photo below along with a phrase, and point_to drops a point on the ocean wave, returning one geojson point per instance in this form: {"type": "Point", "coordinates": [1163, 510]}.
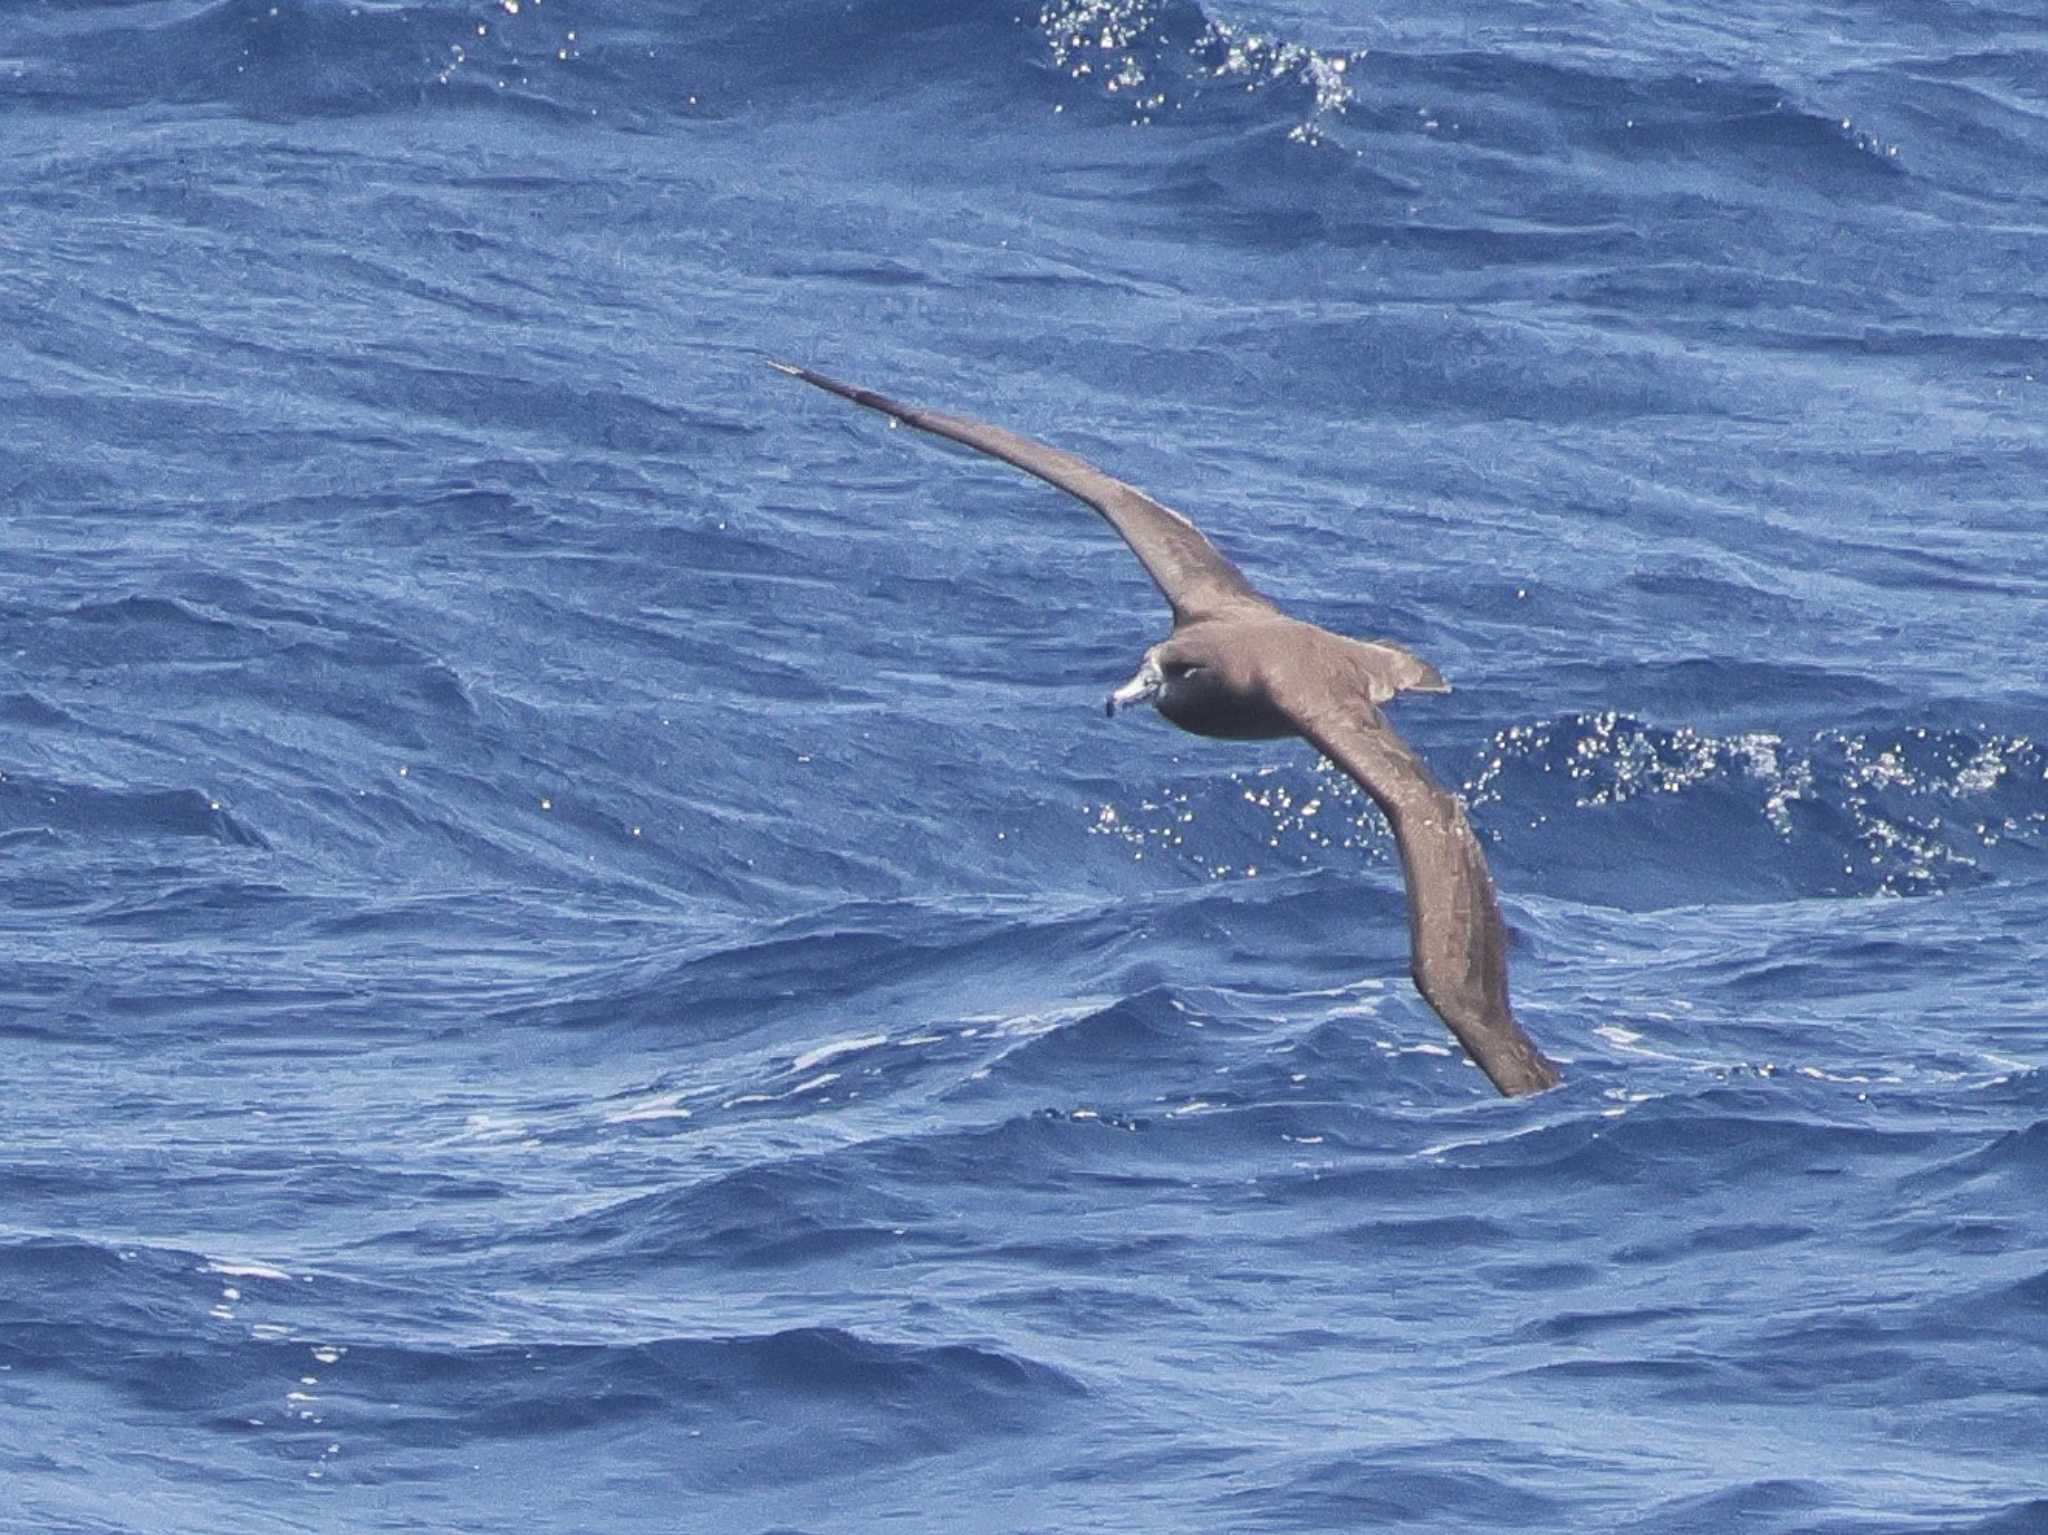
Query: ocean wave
{"type": "Point", "coordinates": [287, 58]}
{"type": "Point", "coordinates": [1401, 1481]}
{"type": "Point", "coordinates": [193, 1343]}
{"type": "Point", "coordinates": [1686, 816]}
{"type": "Point", "coordinates": [1991, 1173]}
{"type": "Point", "coordinates": [75, 811]}
{"type": "Point", "coordinates": [1157, 62]}
{"type": "Point", "coordinates": [1900, 811]}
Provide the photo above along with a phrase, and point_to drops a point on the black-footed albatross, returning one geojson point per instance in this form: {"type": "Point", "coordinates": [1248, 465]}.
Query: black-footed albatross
{"type": "Point", "coordinates": [1236, 666]}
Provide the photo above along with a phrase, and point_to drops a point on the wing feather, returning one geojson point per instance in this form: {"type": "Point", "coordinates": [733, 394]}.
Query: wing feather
{"type": "Point", "coordinates": [1197, 580]}
{"type": "Point", "coordinates": [1457, 941]}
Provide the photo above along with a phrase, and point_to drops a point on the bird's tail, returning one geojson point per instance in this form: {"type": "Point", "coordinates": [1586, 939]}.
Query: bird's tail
{"type": "Point", "coordinates": [1389, 670]}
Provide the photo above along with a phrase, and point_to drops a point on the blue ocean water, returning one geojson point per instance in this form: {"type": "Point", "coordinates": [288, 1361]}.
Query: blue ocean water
{"type": "Point", "coordinates": [578, 954]}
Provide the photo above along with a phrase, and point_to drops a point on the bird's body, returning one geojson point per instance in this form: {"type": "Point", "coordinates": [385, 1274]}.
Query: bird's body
{"type": "Point", "coordinates": [1236, 667]}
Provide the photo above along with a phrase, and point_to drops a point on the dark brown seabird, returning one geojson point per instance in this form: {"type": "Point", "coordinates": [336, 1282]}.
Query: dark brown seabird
{"type": "Point", "coordinates": [1236, 666]}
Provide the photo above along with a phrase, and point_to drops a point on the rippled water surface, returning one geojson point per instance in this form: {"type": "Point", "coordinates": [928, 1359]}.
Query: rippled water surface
{"type": "Point", "coordinates": [577, 952]}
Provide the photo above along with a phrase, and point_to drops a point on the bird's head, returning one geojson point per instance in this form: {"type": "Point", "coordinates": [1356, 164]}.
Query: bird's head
{"type": "Point", "coordinates": [1171, 672]}
{"type": "Point", "coordinates": [1211, 680]}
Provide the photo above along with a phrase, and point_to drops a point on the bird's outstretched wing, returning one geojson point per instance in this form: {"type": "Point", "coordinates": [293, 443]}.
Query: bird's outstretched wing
{"type": "Point", "coordinates": [1457, 942]}
{"type": "Point", "coordinates": [1197, 581]}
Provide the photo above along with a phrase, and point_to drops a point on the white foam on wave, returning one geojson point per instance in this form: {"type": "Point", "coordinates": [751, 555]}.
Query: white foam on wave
{"type": "Point", "coordinates": [1126, 48]}
{"type": "Point", "coordinates": [661, 1106]}
{"type": "Point", "coordinates": [822, 1053]}
{"type": "Point", "coordinates": [240, 1269]}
